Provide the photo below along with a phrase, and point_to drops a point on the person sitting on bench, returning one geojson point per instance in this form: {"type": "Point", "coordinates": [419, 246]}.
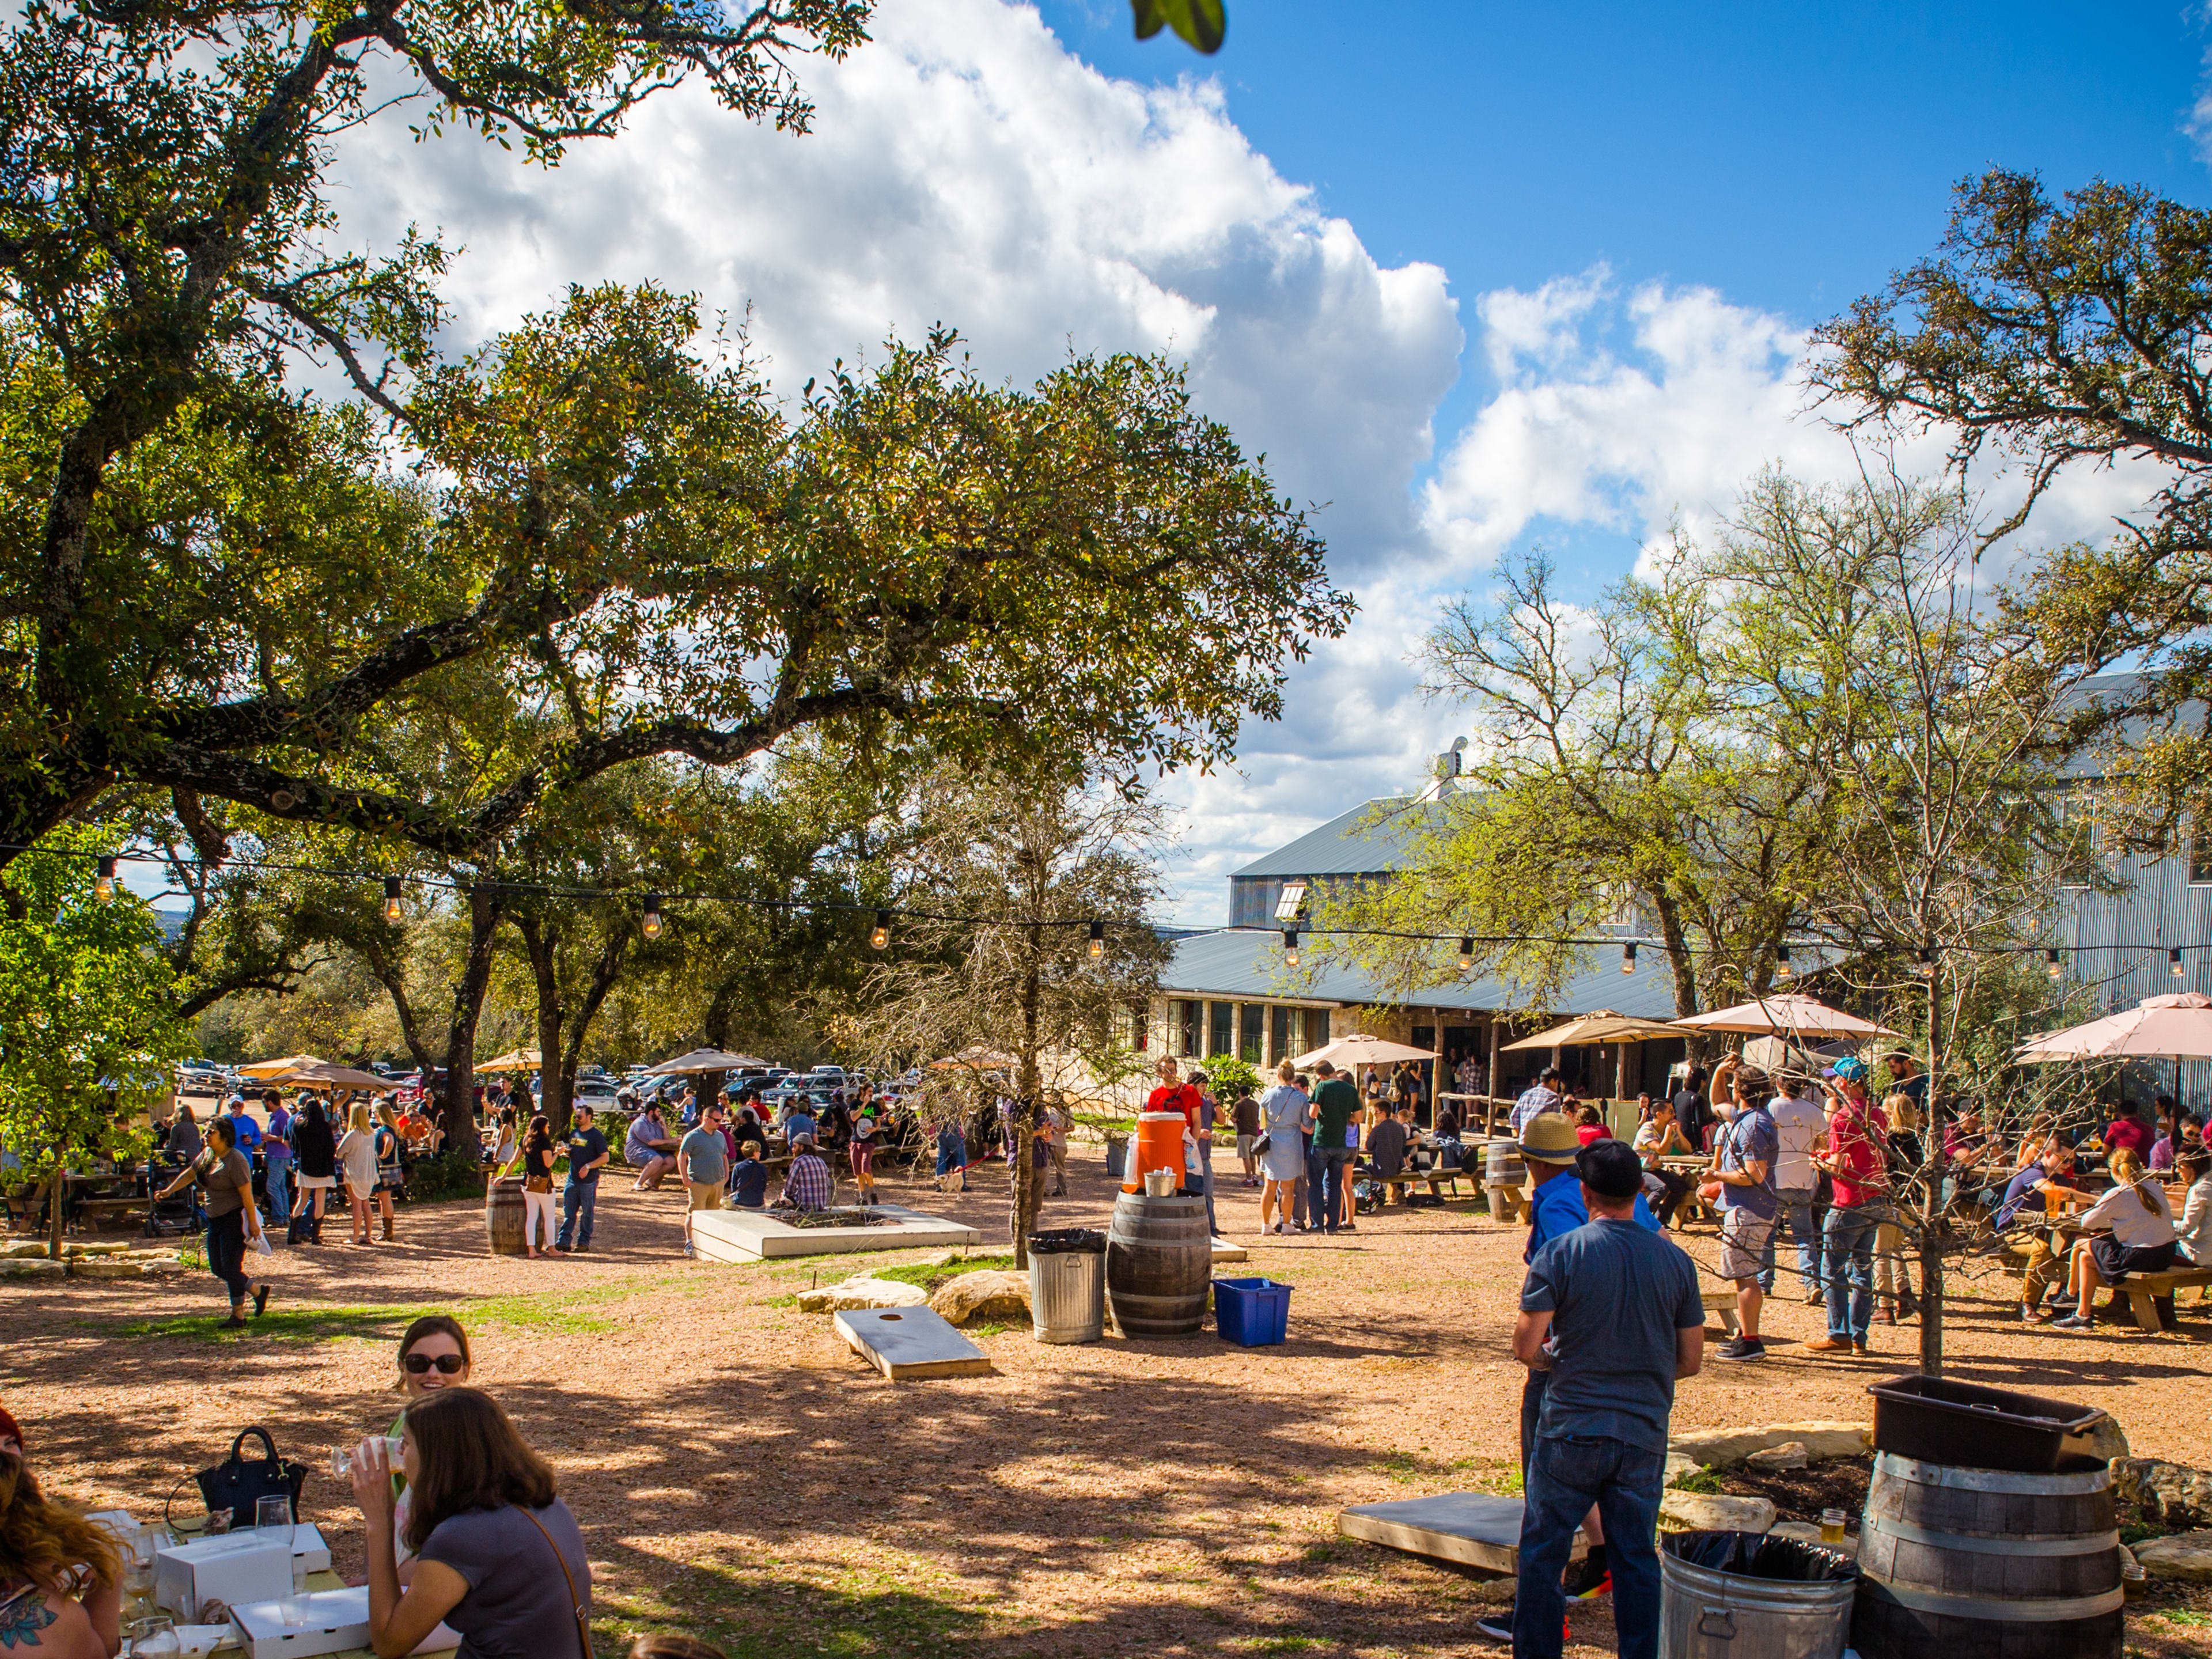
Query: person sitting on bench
{"type": "Point", "coordinates": [2193, 1235]}
{"type": "Point", "coordinates": [2142, 1239]}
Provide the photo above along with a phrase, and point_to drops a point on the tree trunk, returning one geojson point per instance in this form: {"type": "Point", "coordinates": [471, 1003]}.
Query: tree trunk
{"type": "Point", "coordinates": [1931, 1229]}
{"type": "Point", "coordinates": [457, 1110]}
{"type": "Point", "coordinates": [556, 1082]}
{"type": "Point", "coordinates": [54, 1213]}
{"type": "Point", "coordinates": [1931, 1297]}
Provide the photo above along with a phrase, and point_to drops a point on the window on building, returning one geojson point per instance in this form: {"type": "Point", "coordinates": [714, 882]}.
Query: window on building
{"type": "Point", "coordinates": [1222, 1038]}
{"type": "Point", "coordinates": [1316, 1030]}
{"type": "Point", "coordinates": [1251, 1026]}
{"type": "Point", "coordinates": [1183, 1017]}
{"type": "Point", "coordinates": [1281, 1050]}
{"type": "Point", "coordinates": [2200, 860]}
{"type": "Point", "coordinates": [1291, 901]}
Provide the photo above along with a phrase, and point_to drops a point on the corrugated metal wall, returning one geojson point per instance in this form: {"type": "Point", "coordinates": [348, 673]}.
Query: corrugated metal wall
{"type": "Point", "coordinates": [2116, 944]}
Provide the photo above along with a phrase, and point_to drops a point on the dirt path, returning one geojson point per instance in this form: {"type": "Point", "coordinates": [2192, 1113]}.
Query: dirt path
{"type": "Point", "coordinates": [738, 1475]}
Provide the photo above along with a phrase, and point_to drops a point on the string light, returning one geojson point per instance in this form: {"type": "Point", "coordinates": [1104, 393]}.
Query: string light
{"type": "Point", "coordinates": [1290, 947]}
{"type": "Point", "coordinates": [2173, 963]}
{"type": "Point", "coordinates": [391, 898]}
{"type": "Point", "coordinates": [1782, 968]}
{"type": "Point", "coordinates": [1926, 966]}
{"type": "Point", "coordinates": [880, 937]}
{"type": "Point", "coordinates": [2051, 965]}
{"type": "Point", "coordinates": [652, 916]}
{"type": "Point", "coordinates": [1466, 953]}
{"type": "Point", "coordinates": [1628, 957]}
{"type": "Point", "coordinates": [103, 885]}
{"type": "Point", "coordinates": [1098, 939]}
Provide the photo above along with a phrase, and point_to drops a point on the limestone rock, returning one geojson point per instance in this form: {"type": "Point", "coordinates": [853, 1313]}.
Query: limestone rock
{"type": "Point", "coordinates": [2185, 1555]}
{"type": "Point", "coordinates": [986, 1294]}
{"type": "Point", "coordinates": [1807, 1531]}
{"type": "Point", "coordinates": [1789, 1454]}
{"type": "Point", "coordinates": [1719, 1448]}
{"type": "Point", "coordinates": [1698, 1511]}
{"type": "Point", "coordinates": [861, 1290]}
{"type": "Point", "coordinates": [2108, 1440]}
{"type": "Point", "coordinates": [72, 1252]}
{"type": "Point", "coordinates": [113, 1267]}
{"type": "Point", "coordinates": [1678, 1466]}
{"type": "Point", "coordinates": [22, 1249]}
{"type": "Point", "coordinates": [32, 1268]}
{"type": "Point", "coordinates": [2170, 1494]}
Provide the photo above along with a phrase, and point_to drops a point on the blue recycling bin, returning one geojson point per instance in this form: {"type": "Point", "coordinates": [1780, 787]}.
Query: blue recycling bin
{"type": "Point", "coordinates": [1253, 1313]}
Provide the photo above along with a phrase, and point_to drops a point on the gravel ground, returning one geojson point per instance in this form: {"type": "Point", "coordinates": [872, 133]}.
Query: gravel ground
{"type": "Point", "coordinates": [740, 1475]}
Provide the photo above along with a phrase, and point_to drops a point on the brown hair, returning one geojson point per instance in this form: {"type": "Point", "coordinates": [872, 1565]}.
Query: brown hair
{"type": "Point", "coordinates": [2127, 1171]}
{"type": "Point", "coordinates": [47, 1543]}
{"type": "Point", "coordinates": [2192, 1164]}
{"type": "Point", "coordinates": [1587, 1116]}
{"type": "Point", "coordinates": [430, 1325]}
{"type": "Point", "coordinates": [469, 1456]}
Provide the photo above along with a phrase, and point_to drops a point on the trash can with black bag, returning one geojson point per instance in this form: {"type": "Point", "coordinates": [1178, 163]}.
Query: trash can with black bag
{"type": "Point", "coordinates": [1751, 1595]}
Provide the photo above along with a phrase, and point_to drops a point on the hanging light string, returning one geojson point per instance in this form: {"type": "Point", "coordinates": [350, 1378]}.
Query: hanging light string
{"type": "Point", "coordinates": [654, 908]}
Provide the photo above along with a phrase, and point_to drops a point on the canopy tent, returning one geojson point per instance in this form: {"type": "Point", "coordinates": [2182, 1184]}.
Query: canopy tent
{"type": "Point", "coordinates": [1787, 1013]}
{"type": "Point", "coordinates": [703, 1060]}
{"type": "Point", "coordinates": [271, 1071]}
{"type": "Point", "coordinates": [1603, 1026]}
{"type": "Point", "coordinates": [1360, 1050]}
{"type": "Point", "coordinates": [2177, 1026]}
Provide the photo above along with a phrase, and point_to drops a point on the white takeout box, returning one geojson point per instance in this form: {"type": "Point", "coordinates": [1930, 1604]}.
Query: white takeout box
{"type": "Point", "coordinates": [233, 1568]}
{"type": "Point", "coordinates": [310, 1550]}
{"type": "Point", "coordinates": [322, 1621]}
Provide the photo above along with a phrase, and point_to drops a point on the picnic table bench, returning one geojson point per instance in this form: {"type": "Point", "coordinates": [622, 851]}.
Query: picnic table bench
{"type": "Point", "coordinates": [1432, 1179]}
{"type": "Point", "coordinates": [2145, 1289]}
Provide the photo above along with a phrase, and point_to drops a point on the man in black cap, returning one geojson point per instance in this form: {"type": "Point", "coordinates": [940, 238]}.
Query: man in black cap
{"type": "Point", "coordinates": [1612, 1311]}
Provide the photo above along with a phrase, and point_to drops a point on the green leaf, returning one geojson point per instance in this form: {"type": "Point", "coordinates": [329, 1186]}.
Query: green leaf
{"type": "Point", "coordinates": [1203, 24]}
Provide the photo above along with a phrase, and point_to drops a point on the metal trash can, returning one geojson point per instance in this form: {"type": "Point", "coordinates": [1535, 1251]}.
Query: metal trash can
{"type": "Point", "coordinates": [1067, 1284]}
{"type": "Point", "coordinates": [1746, 1595]}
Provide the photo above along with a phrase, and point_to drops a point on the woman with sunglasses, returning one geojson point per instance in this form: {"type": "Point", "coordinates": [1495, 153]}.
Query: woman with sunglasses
{"type": "Point", "coordinates": [433, 1354]}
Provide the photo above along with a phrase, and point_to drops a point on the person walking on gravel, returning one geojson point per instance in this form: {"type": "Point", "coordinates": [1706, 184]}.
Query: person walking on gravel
{"type": "Point", "coordinates": [227, 1183]}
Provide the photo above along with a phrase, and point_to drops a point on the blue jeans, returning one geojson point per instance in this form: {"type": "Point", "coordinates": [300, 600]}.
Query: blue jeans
{"type": "Point", "coordinates": [279, 1188]}
{"type": "Point", "coordinates": [1335, 1161]}
{"type": "Point", "coordinates": [1848, 1242]}
{"type": "Point", "coordinates": [577, 1196]}
{"type": "Point", "coordinates": [1310, 1210]}
{"type": "Point", "coordinates": [1206, 1178]}
{"type": "Point", "coordinates": [1565, 1477]}
{"type": "Point", "coordinates": [1801, 1215]}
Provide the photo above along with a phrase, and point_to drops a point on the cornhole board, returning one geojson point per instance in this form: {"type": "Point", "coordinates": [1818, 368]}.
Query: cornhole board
{"type": "Point", "coordinates": [758, 1236]}
{"type": "Point", "coordinates": [1225, 1251]}
{"type": "Point", "coordinates": [1473, 1528]}
{"type": "Point", "coordinates": [907, 1343]}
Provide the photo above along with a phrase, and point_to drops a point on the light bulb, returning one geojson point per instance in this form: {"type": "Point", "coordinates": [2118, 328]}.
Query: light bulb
{"type": "Point", "coordinates": [1097, 940]}
{"type": "Point", "coordinates": [880, 938]}
{"type": "Point", "coordinates": [2173, 963]}
{"type": "Point", "coordinates": [103, 885]}
{"type": "Point", "coordinates": [1782, 968]}
{"type": "Point", "coordinates": [1628, 957]}
{"type": "Point", "coordinates": [391, 898]}
{"type": "Point", "coordinates": [1926, 966]}
{"type": "Point", "coordinates": [1466, 953]}
{"type": "Point", "coordinates": [2051, 964]}
{"type": "Point", "coordinates": [1290, 947]}
{"type": "Point", "coordinates": [652, 926]}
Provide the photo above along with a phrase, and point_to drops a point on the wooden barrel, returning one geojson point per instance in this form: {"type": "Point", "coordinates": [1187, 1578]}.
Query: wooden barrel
{"type": "Point", "coordinates": [1986, 1564]}
{"type": "Point", "coordinates": [1160, 1260]}
{"type": "Point", "coordinates": [1501, 1165]}
{"type": "Point", "coordinates": [503, 1215]}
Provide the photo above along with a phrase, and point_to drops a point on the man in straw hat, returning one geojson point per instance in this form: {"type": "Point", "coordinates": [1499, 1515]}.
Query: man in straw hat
{"type": "Point", "coordinates": [1549, 1146]}
{"type": "Point", "coordinates": [1610, 1313]}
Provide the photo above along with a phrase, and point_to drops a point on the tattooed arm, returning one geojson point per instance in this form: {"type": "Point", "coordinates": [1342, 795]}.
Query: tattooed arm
{"type": "Point", "coordinates": [35, 1622]}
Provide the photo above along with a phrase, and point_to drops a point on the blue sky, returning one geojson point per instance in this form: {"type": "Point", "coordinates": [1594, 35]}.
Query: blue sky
{"type": "Point", "coordinates": [1475, 279]}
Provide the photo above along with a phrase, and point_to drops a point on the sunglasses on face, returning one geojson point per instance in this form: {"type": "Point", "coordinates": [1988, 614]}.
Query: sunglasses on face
{"type": "Point", "coordinates": [448, 1364]}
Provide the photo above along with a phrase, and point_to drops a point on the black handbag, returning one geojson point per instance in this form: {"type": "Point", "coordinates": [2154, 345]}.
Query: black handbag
{"type": "Point", "coordinates": [237, 1484]}
{"type": "Point", "coordinates": [1263, 1146]}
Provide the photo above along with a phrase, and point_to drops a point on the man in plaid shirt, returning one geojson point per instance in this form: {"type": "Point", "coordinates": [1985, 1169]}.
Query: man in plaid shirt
{"type": "Point", "coordinates": [807, 1185]}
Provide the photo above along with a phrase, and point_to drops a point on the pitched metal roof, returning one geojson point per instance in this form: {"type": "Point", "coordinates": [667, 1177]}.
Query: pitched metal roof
{"type": "Point", "coordinates": [1248, 966]}
{"type": "Point", "coordinates": [1347, 845]}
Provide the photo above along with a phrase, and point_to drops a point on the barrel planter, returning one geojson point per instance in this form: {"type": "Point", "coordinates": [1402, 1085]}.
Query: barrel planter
{"type": "Point", "coordinates": [503, 1216]}
{"type": "Point", "coordinates": [1160, 1260]}
{"type": "Point", "coordinates": [1986, 1564]}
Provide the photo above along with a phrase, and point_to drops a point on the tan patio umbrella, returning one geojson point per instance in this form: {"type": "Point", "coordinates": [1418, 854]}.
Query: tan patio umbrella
{"type": "Point", "coordinates": [1360, 1050]}
{"type": "Point", "coordinates": [1784, 1013]}
{"type": "Point", "coordinates": [1603, 1026]}
{"type": "Point", "coordinates": [323, 1074]}
{"type": "Point", "coordinates": [270, 1071]}
{"type": "Point", "coordinates": [702, 1060]}
{"type": "Point", "coordinates": [2177, 1026]}
{"type": "Point", "coordinates": [514, 1060]}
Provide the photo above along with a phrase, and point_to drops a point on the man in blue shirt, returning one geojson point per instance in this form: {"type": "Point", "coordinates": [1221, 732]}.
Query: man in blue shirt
{"type": "Point", "coordinates": [1744, 1158]}
{"type": "Point", "coordinates": [1610, 1312]}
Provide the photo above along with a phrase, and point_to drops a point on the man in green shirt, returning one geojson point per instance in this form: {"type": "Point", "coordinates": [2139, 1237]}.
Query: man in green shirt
{"type": "Point", "coordinates": [1336, 1103]}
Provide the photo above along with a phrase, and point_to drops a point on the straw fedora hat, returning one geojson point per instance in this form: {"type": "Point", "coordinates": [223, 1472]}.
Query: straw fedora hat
{"type": "Point", "coordinates": [1551, 1137]}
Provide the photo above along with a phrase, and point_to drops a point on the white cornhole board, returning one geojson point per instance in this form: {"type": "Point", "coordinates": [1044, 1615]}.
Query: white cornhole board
{"type": "Point", "coordinates": [757, 1234]}
{"type": "Point", "coordinates": [904, 1343]}
{"type": "Point", "coordinates": [1470, 1527]}
{"type": "Point", "coordinates": [1225, 1251]}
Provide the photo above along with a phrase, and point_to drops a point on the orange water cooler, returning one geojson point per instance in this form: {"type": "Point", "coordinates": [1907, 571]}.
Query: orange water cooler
{"type": "Point", "coordinates": [1158, 1146]}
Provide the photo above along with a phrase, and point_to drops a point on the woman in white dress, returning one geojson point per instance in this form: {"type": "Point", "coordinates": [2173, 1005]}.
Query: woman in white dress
{"type": "Point", "coordinates": [1282, 1115]}
{"type": "Point", "coordinates": [357, 1157]}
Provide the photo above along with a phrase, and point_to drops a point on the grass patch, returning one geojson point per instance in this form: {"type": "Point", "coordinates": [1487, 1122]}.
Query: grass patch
{"type": "Point", "coordinates": [566, 1313]}
{"type": "Point", "coordinates": [325, 1322]}
{"type": "Point", "coordinates": [2183, 1619]}
{"type": "Point", "coordinates": [989, 1330]}
{"type": "Point", "coordinates": [1280, 1644]}
{"type": "Point", "coordinates": [1700, 1480]}
{"type": "Point", "coordinates": [877, 1614]}
{"type": "Point", "coordinates": [929, 1275]}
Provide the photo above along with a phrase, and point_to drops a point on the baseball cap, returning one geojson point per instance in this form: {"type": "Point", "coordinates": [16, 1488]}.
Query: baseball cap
{"type": "Point", "coordinates": [1610, 1168]}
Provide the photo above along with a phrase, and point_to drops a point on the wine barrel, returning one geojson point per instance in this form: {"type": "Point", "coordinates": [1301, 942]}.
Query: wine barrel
{"type": "Point", "coordinates": [1986, 1564]}
{"type": "Point", "coordinates": [503, 1215]}
{"type": "Point", "coordinates": [1160, 1260]}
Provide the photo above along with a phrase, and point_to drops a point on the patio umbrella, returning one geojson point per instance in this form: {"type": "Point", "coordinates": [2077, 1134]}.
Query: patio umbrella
{"type": "Point", "coordinates": [1360, 1050]}
{"type": "Point", "coordinates": [269, 1071]}
{"type": "Point", "coordinates": [514, 1060]}
{"type": "Point", "coordinates": [702, 1060]}
{"type": "Point", "coordinates": [320, 1074]}
{"type": "Point", "coordinates": [2177, 1026]}
{"type": "Point", "coordinates": [1603, 1026]}
{"type": "Point", "coordinates": [1784, 1013]}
